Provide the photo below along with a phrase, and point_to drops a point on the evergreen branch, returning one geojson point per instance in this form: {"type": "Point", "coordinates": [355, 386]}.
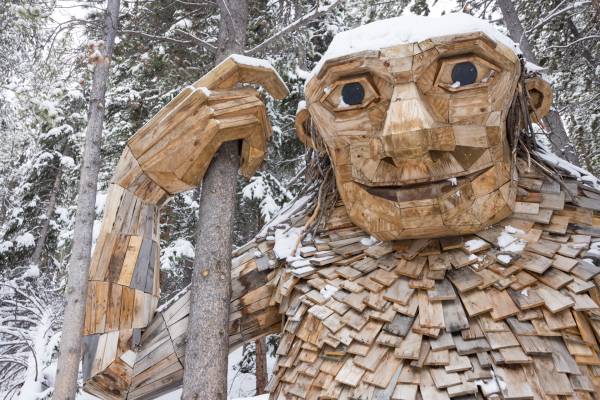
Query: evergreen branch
{"type": "Point", "coordinates": [556, 12]}
{"type": "Point", "coordinates": [579, 103]}
{"type": "Point", "coordinates": [207, 46]}
{"type": "Point", "coordinates": [303, 20]}
{"type": "Point", "coordinates": [189, 3]}
{"type": "Point", "coordinates": [574, 42]}
{"type": "Point", "coordinates": [156, 37]}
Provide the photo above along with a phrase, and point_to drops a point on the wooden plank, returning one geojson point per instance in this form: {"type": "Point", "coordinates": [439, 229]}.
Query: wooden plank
{"type": "Point", "coordinates": [411, 268]}
{"type": "Point", "coordinates": [386, 278]}
{"type": "Point", "coordinates": [552, 383]}
{"type": "Point", "coordinates": [502, 305]}
{"type": "Point", "coordinates": [410, 347]}
{"type": "Point", "coordinates": [97, 359]}
{"type": "Point", "coordinates": [442, 342]}
{"type": "Point", "coordinates": [164, 367]}
{"type": "Point", "coordinates": [373, 358]}
{"type": "Point", "coordinates": [559, 321]}
{"type": "Point", "coordinates": [555, 278]}
{"type": "Point", "coordinates": [405, 391]}
{"type": "Point", "coordinates": [130, 259]}
{"type": "Point", "coordinates": [437, 358]}
{"type": "Point", "coordinates": [431, 314]}
{"type": "Point", "coordinates": [585, 270]}
{"type": "Point", "coordinates": [400, 325]}
{"type": "Point", "coordinates": [525, 299]}
{"type": "Point", "coordinates": [90, 312]}
{"type": "Point", "coordinates": [127, 307]}
{"type": "Point", "coordinates": [427, 388]}
{"type": "Point", "coordinates": [143, 263]}
{"type": "Point", "coordinates": [565, 264]}
{"type": "Point", "coordinates": [368, 333]}
{"type": "Point", "coordinates": [113, 314]}
{"type": "Point", "coordinates": [89, 349]}
{"type": "Point", "coordinates": [455, 318]}
{"type": "Point", "coordinates": [469, 347]}
{"type": "Point", "coordinates": [442, 290]}
{"type": "Point", "coordinates": [164, 350]}
{"type": "Point", "coordinates": [553, 299]}
{"type": "Point", "coordinates": [350, 374]}
{"type": "Point", "coordinates": [110, 349]}
{"type": "Point", "coordinates": [386, 370]}
{"type": "Point", "coordinates": [516, 386]}
{"type": "Point", "coordinates": [534, 262]}
{"type": "Point", "coordinates": [118, 256]}
{"type": "Point", "coordinates": [476, 302]}
{"type": "Point", "coordinates": [464, 279]}
{"type": "Point", "coordinates": [399, 292]}
{"type": "Point", "coordinates": [101, 306]}
{"type": "Point", "coordinates": [458, 363]}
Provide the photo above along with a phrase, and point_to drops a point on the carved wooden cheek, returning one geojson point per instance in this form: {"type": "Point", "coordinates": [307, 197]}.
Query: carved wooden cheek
{"type": "Point", "coordinates": [420, 155]}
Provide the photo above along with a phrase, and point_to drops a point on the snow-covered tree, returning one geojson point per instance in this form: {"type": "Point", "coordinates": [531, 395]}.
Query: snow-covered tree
{"type": "Point", "coordinates": [29, 336]}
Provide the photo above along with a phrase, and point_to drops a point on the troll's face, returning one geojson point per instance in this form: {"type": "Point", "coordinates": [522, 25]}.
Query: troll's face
{"type": "Point", "coordinates": [416, 133]}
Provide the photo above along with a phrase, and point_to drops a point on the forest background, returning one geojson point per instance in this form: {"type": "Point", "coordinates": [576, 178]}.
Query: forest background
{"type": "Point", "coordinates": [47, 50]}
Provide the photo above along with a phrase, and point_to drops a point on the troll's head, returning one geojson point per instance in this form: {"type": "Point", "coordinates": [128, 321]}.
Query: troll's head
{"type": "Point", "coordinates": [412, 112]}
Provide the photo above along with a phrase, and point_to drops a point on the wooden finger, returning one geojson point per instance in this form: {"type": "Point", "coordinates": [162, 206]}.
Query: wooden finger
{"type": "Point", "coordinates": [227, 129]}
{"type": "Point", "coordinates": [168, 121]}
{"type": "Point", "coordinates": [241, 69]}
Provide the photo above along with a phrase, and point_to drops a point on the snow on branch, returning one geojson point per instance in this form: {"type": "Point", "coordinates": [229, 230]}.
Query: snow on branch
{"type": "Point", "coordinates": [191, 39]}
{"type": "Point", "coordinates": [574, 42]}
{"type": "Point", "coordinates": [197, 40]}
{"type": "Point", "coordinates": [155, 37]}
{"type": "Point", "coordinates": [556, 12]}
{"type": "Point", "coordinates": [305, 19]}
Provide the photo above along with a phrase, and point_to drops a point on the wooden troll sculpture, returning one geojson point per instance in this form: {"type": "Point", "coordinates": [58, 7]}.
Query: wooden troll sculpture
{"type": "Point", "coordinates": [460, 261]}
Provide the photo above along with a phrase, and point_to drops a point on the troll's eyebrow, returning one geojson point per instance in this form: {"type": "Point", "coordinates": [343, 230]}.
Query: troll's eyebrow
{"type": "Point", "coordinates": [349, 61]}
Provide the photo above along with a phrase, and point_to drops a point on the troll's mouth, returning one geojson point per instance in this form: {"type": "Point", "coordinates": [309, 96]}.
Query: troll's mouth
{"type": "Point", "coordinates": [421, 191]}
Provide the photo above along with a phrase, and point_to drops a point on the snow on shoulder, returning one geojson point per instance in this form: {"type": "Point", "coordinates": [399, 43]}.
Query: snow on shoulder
{"type": "Point", "coordinates": [407, 29]}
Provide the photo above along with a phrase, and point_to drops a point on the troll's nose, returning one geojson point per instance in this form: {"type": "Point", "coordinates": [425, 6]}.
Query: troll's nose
{"type": "Point", "coordinates": [405, 131]}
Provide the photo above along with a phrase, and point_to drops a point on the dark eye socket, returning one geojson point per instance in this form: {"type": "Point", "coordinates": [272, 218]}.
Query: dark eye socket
{"type": "Point", "coordinates": [353, 93]}
{"type": "Point", "coordinates": [465, 73]}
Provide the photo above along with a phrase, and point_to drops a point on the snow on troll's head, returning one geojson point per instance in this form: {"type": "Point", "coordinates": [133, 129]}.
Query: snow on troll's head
{"type": "Point", "coordinates": [423, 120]}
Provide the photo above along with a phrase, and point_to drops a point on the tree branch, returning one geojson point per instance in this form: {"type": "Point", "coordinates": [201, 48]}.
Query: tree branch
{"type": "Point", "coordinates": [556, 12]}
{"type": "Point", "coordinates": [156, 37]}
{"type": "Point", "coordinates": [574, 42]}
{"type": "Point", "coordinates": [305, 19]}
{"type": "Point", "coordinates": [207, 46]}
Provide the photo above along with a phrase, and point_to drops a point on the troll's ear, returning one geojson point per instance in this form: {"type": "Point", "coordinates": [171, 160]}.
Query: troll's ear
{"type": "Point", "coordinates": [302, 127]}
{"type": "Point", "coordinates": [540, 95]}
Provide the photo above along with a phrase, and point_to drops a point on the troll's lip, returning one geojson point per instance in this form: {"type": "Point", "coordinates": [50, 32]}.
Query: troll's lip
{"type": "Point", "coordinates": [421, 191]}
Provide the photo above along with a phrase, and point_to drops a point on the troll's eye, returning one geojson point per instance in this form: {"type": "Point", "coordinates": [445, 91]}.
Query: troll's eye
{"type": "Point", "coordinates": [465, 73]}
{"type": "Point", "coordinates": [353, 93]}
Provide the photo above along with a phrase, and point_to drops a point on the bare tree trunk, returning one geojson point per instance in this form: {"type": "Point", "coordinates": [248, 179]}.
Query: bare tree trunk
{"type": "Point", "coordinates": [70, 345]}
{"type": "Point", "coordinates": [207, 348]}
{"type": "Point", "coordinates": [559, 139]}
{"type": "Point", "coordinates": [261, 365]}
{"type": "Point", "coordinates": [41, 242]}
